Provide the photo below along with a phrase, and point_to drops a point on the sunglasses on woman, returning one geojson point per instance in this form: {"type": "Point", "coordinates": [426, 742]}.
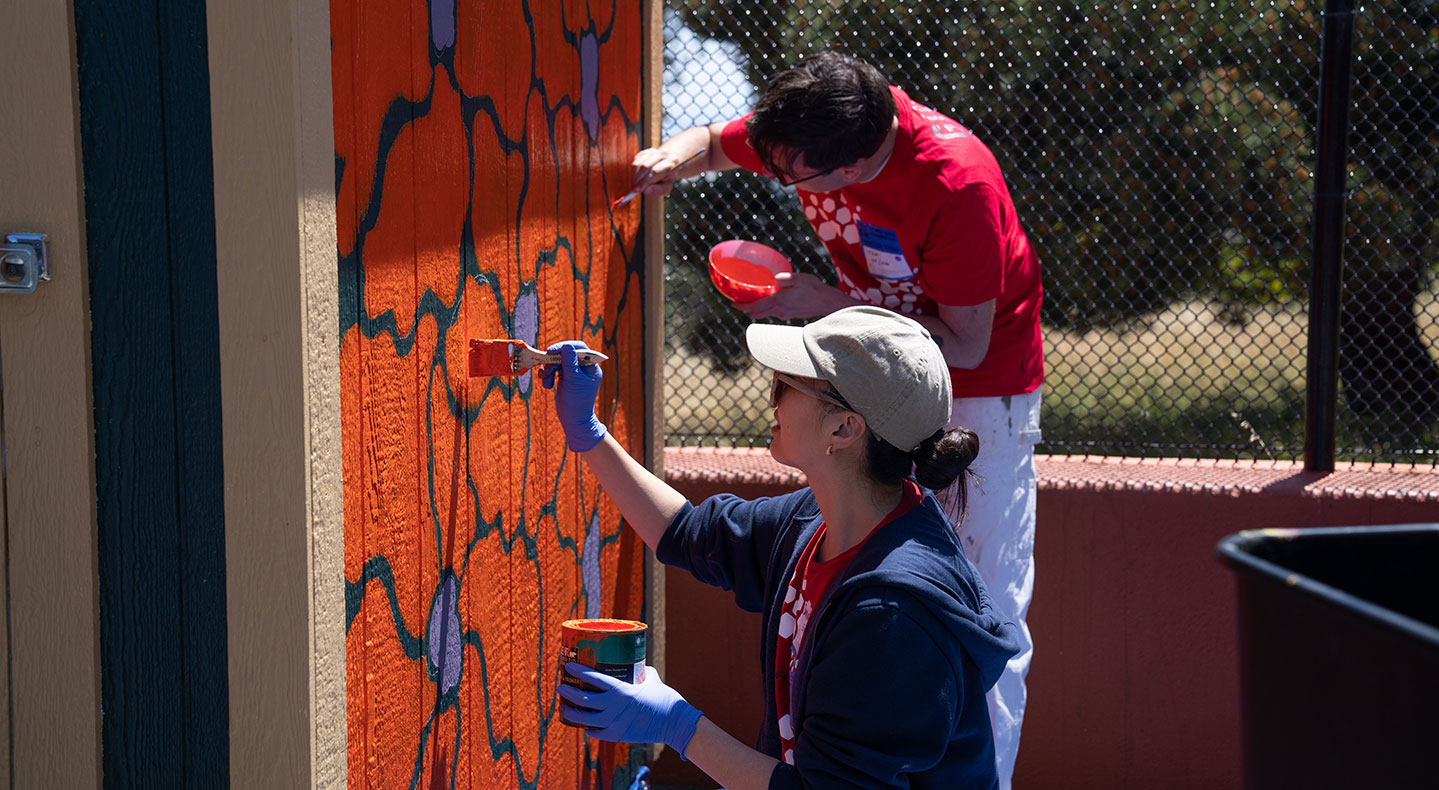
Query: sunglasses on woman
{"type": "Point", "coordinates": [784, 379]}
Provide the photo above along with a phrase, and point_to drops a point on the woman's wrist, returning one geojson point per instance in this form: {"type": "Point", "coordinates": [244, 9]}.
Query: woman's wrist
{"type": "Point", "coordinates": [681, 730]}
{"type": "Point", "coordinates": [726, 760]}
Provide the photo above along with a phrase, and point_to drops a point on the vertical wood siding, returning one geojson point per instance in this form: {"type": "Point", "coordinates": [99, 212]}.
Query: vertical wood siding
{"type": "Point", "coordinates": [479, 146]}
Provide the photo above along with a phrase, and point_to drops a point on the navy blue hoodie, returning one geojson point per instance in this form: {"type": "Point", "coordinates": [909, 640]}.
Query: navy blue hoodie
{"type": "Point", "coordinates": [889, 691]}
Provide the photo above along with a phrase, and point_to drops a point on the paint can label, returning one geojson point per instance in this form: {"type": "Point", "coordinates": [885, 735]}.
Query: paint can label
{"type": "Point", "coordinates": [612, 647]}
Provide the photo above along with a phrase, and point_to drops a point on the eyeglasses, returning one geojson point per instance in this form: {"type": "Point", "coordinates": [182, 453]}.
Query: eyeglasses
{"type": "Point", "coordinates": [784, 379]}
{"type": "Point", "coordinates": [769, 172]}
{"type": "Point", "coordinates": [784, 182]}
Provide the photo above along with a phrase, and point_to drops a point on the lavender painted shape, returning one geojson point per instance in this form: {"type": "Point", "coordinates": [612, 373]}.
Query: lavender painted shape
{"type": "Point", "coordinates": [442, 23]}
{"type": "Point", "coordinates": [445, 645]}
{"type": "Point", "coordinates": [527, 328]}
{"type": "Point", "coordinates": [590, 569]}
{"type": "Point", "coordinates": [589, 85]}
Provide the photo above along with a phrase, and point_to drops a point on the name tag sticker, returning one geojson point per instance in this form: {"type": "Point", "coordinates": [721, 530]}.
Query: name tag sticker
{"type": "Point", "coordinates": [882, 254]}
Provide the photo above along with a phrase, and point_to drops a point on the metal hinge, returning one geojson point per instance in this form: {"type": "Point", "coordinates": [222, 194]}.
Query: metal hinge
{"type": "Point", "coordinates": [24, 262]}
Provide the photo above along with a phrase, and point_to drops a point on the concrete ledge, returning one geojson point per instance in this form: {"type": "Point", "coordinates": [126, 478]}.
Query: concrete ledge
{"type": "Point", "coordinates": [750, 471]}
{"type": "Point", "coordinates": [1232, 478]}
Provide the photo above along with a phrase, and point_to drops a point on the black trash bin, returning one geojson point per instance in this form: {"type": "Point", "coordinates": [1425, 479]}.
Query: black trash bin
{"type": "Point", "coordinates": [1339, 656]}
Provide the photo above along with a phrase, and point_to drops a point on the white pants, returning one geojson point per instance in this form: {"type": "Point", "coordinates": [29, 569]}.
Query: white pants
{"type": "Point", "coordinates": [997, 531]}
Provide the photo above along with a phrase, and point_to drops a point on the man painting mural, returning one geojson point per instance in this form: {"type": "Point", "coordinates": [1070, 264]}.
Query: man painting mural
{"type": "Point", "coordinates": [916, 217]}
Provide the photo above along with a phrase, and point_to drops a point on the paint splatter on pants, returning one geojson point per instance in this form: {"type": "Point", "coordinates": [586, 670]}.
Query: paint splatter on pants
{"type": "Point", "coordinates": [998, 535]}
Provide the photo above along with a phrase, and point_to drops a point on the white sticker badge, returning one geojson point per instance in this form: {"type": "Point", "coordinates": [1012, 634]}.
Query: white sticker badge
{"type": "Point", "coordinates": [882, 254]}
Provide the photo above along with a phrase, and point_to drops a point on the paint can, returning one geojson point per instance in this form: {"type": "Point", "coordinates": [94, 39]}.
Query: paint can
{"type": "Point", "coordinates": [612, 647]}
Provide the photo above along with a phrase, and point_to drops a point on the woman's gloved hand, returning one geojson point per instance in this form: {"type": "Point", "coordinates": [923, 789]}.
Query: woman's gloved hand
{"type": "Point", "coordinates": [644, 712]}
{"type": "Point", "coordinates": [575, 396]}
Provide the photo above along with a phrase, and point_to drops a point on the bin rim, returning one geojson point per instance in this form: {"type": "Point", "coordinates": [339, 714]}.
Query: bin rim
{"type": "Point", "coordinates": [1233, 551]}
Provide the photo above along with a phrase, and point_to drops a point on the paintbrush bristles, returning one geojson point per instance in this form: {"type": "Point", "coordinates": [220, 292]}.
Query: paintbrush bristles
{"type": "Point", "coordinates": [507, 357]}
{"type": "Point", "coordinates": [491, 358]}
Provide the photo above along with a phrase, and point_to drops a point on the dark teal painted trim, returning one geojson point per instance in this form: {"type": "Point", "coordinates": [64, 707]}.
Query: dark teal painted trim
{"type": "Point", "coordinates": [150, 235]}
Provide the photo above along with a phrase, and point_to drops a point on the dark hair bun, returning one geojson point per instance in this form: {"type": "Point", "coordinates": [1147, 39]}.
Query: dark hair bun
{"type": "Point", "coordinates": [938, 462]}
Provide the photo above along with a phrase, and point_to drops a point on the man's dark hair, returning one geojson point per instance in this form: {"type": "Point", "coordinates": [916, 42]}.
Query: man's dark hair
{"type": "Point", "coordinates": [832, 108]}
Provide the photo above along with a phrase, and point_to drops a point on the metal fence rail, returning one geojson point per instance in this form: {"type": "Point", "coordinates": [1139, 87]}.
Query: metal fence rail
{"type": "Point", "coordinates": [1160, 155]}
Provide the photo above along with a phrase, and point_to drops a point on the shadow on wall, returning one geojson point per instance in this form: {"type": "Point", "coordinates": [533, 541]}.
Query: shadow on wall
{"type": "Point", "coordinates": [478, 149]}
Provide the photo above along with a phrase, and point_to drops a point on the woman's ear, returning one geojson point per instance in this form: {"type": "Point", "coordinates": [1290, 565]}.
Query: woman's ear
{"type": "Point", "coordinates": [849, 431]}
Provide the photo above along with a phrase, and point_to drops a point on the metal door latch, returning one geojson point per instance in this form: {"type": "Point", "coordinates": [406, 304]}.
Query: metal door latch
{"type": "Point", "coordinates": [24, 262]}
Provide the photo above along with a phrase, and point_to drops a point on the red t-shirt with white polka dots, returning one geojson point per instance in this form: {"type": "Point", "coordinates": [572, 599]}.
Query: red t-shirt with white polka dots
{"type": "Point", "coordinates": [935, 226]}
{"type": "Point", "coordinates": [810, 581]}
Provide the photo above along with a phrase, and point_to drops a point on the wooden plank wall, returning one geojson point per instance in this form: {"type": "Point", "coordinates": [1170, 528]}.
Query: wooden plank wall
{"type": "Point", "coordinates": [150, 233]}
{"type": "Point", "coordinates": [50, 701]}
{"type": "Point", "coordinates": [479, 146]}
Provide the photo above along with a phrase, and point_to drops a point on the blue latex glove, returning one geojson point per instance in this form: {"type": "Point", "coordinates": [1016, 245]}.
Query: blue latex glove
{"type": "Point", "coordinates": [644, 712]}
{"type": "Point", "coordinates": [575, 396]}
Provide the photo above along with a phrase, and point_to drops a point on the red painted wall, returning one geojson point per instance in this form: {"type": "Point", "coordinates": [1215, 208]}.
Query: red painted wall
{"type": "Point", "coordinates": [1135, 681]}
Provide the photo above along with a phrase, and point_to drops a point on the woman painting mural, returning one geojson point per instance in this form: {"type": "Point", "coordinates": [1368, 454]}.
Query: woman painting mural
{"type": "Point", "coordinates": [879, 639]}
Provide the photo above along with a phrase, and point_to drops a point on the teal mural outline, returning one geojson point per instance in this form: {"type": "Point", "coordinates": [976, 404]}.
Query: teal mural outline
{"type": "Point", "coordinates": [400, 114]}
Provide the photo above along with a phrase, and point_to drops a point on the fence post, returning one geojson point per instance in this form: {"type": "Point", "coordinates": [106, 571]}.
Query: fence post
{"type": "Point", "coordinates": [1332, 144]}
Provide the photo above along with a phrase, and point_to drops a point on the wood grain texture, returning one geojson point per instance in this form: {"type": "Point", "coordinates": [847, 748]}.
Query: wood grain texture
{"type": "Point", "coordinates": [651, 256]}
{"type": "Point", "coordinates": [49, 497]}
{"type": "Point", "coordinates": [144, 124]}
{"type": "Point", "coordinates": [479, 147]}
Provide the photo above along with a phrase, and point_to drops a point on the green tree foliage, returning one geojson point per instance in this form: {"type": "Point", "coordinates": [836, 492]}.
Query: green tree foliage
{"type": "Point", "coordinates": [1162, 150]}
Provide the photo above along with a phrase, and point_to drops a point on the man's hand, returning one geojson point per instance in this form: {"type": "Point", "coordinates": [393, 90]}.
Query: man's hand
{"type": "Point", "coordinates": [652, 171]}
{"type": "Point", "coordinates": [799, 296]}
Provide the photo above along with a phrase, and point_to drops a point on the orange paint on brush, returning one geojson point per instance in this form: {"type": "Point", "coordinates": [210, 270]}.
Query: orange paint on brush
{"type": "Point", "coordinates": [491, 358]}
{"type": "Point", "coordinates": [505, 357]}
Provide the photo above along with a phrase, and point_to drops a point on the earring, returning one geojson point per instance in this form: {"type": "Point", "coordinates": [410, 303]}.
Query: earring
{"type": "Point", "coordinates": [829, 449]}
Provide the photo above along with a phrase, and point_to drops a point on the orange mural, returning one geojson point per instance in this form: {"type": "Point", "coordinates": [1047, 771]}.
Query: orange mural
{"type": "Point", "coordinates": [478, 148]}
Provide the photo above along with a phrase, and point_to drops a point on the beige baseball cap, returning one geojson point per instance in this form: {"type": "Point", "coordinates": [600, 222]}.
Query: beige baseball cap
{"type": "Point", "coordinates": [884, 365]}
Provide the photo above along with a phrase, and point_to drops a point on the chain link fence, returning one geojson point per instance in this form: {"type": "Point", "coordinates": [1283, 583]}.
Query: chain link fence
{"type": "Point", "coordinates": [1160, 155]}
